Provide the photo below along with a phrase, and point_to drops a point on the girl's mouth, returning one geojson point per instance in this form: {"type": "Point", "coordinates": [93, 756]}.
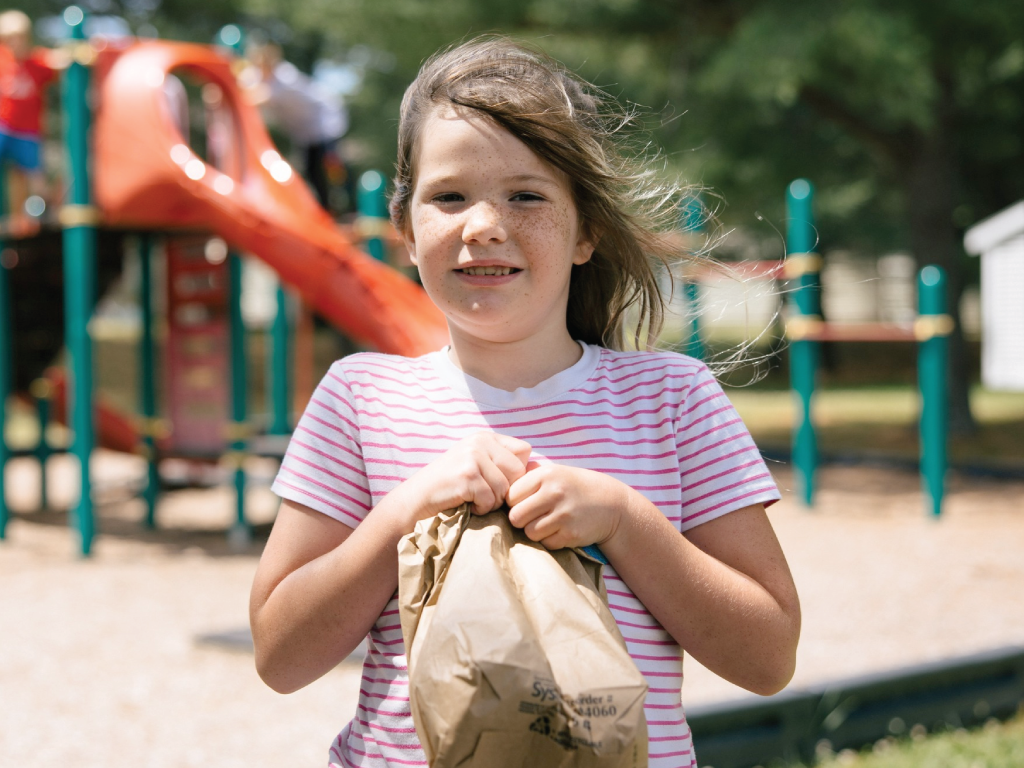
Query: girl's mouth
{"type": "Point", "coordinates": [480, 271]}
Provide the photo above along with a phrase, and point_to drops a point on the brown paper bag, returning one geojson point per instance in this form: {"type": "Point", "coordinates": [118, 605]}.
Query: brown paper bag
{"type": "Point", "coordinates": [514, 657]}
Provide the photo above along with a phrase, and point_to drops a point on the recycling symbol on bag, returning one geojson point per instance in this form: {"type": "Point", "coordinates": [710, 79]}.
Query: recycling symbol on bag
{"type": "Point", "coordinates": [541, 725]}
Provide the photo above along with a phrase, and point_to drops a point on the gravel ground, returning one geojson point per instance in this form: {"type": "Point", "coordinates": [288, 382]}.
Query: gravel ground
{"type": "Point", "coordinates": [101, 666]}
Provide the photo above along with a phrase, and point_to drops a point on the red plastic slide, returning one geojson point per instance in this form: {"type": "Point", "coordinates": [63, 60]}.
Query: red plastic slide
{"type": "Point", "coordinates": [114, 429]}
{"type": "Point", "coordinates": [146, 177]}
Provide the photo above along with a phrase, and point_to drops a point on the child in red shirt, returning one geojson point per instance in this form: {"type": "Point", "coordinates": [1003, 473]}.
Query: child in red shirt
{"type": "Point", "coordinates": [24, 72]}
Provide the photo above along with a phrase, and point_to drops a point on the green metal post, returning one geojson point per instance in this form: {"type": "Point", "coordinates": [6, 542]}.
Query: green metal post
{"type": "Point", "coordinates": [803, 354]}
{"type": "Point", "coordinates": [79, 277]}
{"type": "Point", "coordinates": [6, 376]}
{"type": "Point", "coordinates": [238, 429]}
{"type": "Point", "coordinates": [694, 343]}
{"type": "Point", "coordinates": [372, 203]}
{"type": "Point", "coordinates": [147, 378]}
{"type": "Point", "coordinates": [692, 216]}
{"type": "Point", "coordinates": [232, 37]}
{"type": "Point", "coordinates": [279, 368]}
{"type": "Point", "coordinates": [933, 327]}
{"type": "Point", "coordinates": [41, 391]}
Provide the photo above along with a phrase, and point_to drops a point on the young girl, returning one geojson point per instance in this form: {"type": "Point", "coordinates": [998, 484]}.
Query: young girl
{"type": "Point", "coordinates": [528, 230]}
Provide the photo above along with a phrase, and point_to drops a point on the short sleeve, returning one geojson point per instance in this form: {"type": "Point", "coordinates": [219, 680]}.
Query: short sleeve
{"type": "Point", "coordinates": [323, 467]}
{"type": "Point", "coordinates": [721, 470]}
{"type": "Point", "coordinates": [43, 73]}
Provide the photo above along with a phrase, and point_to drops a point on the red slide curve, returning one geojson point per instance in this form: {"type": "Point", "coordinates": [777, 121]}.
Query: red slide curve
{"type": "Point", "coordinates": [146, 177]}
{"type": "Point", "coordinates": [114, 429]}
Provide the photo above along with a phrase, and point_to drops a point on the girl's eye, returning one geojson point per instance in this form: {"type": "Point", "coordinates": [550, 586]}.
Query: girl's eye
{"type": "Point", "coordinates": [447, 197]}
{"type": "Point", "coordinates": [527, 197]}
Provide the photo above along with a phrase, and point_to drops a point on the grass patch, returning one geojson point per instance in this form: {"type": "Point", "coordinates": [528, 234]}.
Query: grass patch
{"type": "Point", "coordinates": [882, 421]}
{"type": "Point", "coordinates": [995, 745]}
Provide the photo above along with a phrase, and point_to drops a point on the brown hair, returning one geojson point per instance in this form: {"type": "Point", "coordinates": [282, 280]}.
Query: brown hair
{"type": "Point", "coordinates": [577, 129]}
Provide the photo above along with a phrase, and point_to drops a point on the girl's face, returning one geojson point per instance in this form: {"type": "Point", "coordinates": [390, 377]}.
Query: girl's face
{"type": "Point", "coordinates": [492, 229]}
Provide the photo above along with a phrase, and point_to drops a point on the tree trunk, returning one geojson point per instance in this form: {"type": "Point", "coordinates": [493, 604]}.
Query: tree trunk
{"type": "Point", "coordinates": [930, 184]}
{"type": "Point", "coordinates": [927, 164]}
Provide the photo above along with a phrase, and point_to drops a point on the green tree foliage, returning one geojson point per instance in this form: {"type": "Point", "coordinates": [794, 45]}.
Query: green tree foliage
{"type": "Point", "coordinates": [745, 96]}
{"type": "Point", "coordinates": [907, 115]}
{"type": "Point", "coordinates": [195, 20]}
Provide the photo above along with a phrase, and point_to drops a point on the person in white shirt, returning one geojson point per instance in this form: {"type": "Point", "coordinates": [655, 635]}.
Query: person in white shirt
{"type": "Point", "coordinates": [313, 119]}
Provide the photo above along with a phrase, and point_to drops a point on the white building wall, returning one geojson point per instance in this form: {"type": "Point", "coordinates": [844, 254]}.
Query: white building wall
{"type": "Point", "coordinates": [1002, 316]}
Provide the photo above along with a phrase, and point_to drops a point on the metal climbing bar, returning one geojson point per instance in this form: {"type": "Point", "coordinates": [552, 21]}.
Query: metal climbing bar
{"type": "Point", "coordinates": [42, 392]}
{"type": "Point", "coordinates": [372, 202]}
{"type": "Point", "coordinates": [147, 379]}
{"type": "Point", "coordinates": [79, 220]}
{"type": "Point", "coordinates": [803, 267]}
{"type": "Point", "coordinates": [6, 379]}
{"type": "Point", "coordinates": [932, 329]}
{"type": "Point", "coordinates": [279, 368]}
{"type": "Point", "coordinates": [238, 427]}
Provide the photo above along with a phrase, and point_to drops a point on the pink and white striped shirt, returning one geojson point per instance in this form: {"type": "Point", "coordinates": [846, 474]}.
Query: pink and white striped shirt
{"type": "Point", "coordinates": [658, 422]}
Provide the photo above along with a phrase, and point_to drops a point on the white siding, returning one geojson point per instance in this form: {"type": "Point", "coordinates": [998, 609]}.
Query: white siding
{"type": "Point", "coordinates": [1002, 315]}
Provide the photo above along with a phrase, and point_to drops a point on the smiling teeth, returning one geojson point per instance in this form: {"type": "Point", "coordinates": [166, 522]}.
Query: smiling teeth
{"type": "Point", "coordinates": [487, 270]}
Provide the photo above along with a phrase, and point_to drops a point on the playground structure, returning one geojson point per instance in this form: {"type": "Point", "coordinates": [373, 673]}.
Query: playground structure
{"type": "Point", "coordinates": [805, 330]}
{"type": "Point", "coordinates": [149, 181]}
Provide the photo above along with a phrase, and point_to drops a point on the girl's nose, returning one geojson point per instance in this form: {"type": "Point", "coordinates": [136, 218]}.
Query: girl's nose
{"type": "Point", "coordinates": [483, 225]}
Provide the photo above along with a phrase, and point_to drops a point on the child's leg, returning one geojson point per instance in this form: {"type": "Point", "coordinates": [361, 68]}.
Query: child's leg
{"type": "Point", "coordinates": [6, 165]}
{"type": "Point", "coordinates": [17, 191]}
{"type": "Point", "coordinates": [37, 183]}
{"type": "Point", "coordinates": [24, 152]}
{"type": "Point", "coordinates": [19, 222]}
{"type": "Point", "coordinates": [37, 202]}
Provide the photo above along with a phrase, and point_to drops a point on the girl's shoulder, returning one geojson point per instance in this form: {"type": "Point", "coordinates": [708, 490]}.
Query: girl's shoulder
{"type": "Point", "coordinates": [376, 368]}
{"type": "Point", "coordinates": [637, 362]}
{"type": "Point", "coordinates": [669, 378]}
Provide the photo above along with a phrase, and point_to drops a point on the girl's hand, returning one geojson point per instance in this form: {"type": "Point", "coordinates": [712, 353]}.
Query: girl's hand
{"type": "Point", "coordinates": [478, 469]}
{"type": "Point", "coordinates": [562, 506]}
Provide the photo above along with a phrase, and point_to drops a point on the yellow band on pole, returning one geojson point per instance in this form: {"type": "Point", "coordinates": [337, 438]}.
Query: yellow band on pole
{"type": "Point", "coordinates": [41, 389]}
{"type": "Point", "coordinates": [372, 226]}
{"type": "Point", "coordinates": [931, 326]}
{"type": "Point", "coordinates": [78, 51]}
{"type": "Point", "coordinates": [84, 53]}
{"type": "Point", "coordinates": [79, 216]}
{"type": "Point", "coordinates": [153, 427]}
{"type": "Point", "coordinates": [236, 431]}
{"type": "Point", "coordinates": [234, 459]}
{"type": "Point", "coordinates": [801, 327]}
{"type": "Point", "coordinates": [798, 264]}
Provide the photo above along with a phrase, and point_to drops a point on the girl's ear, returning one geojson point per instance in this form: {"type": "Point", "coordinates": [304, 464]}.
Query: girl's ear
{"type": "Point", "coordinates": [585, 247]}
{"type": "Point", "coordinates": [410, 245]}
{"type": "Point", "coordinates": [584, 250]}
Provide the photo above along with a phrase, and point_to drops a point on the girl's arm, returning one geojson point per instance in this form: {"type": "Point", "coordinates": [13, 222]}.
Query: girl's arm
{"type": "Point", "coordinates": [723, 590]}
{"type": "Point", "coordinates": [321, 584]}
{"type": "Point", "coordinates": [319, 587]}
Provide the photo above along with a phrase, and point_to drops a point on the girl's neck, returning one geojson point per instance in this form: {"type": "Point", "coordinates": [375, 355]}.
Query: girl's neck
{"type": "Point", "coordinates": [515, 364]}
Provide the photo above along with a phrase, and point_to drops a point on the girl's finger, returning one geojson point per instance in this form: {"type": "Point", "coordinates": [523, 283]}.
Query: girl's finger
{"type": "Point", "coordinates": [541, 528]}
{"type": "Point", "coordinates": [482, 497]}
{"type": "Point", "coordinates": [497, 484]}
{"type": "Point", "coordinates": [523, 488]}
{"type": "Point", "coordinates": [557, 541]}
{"type": "Point", "coordinates": [509, 465]}
{"type": "Point", "coordinates": [526, 512]}
{"type": "Point", "coordinates": [519, 448]}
